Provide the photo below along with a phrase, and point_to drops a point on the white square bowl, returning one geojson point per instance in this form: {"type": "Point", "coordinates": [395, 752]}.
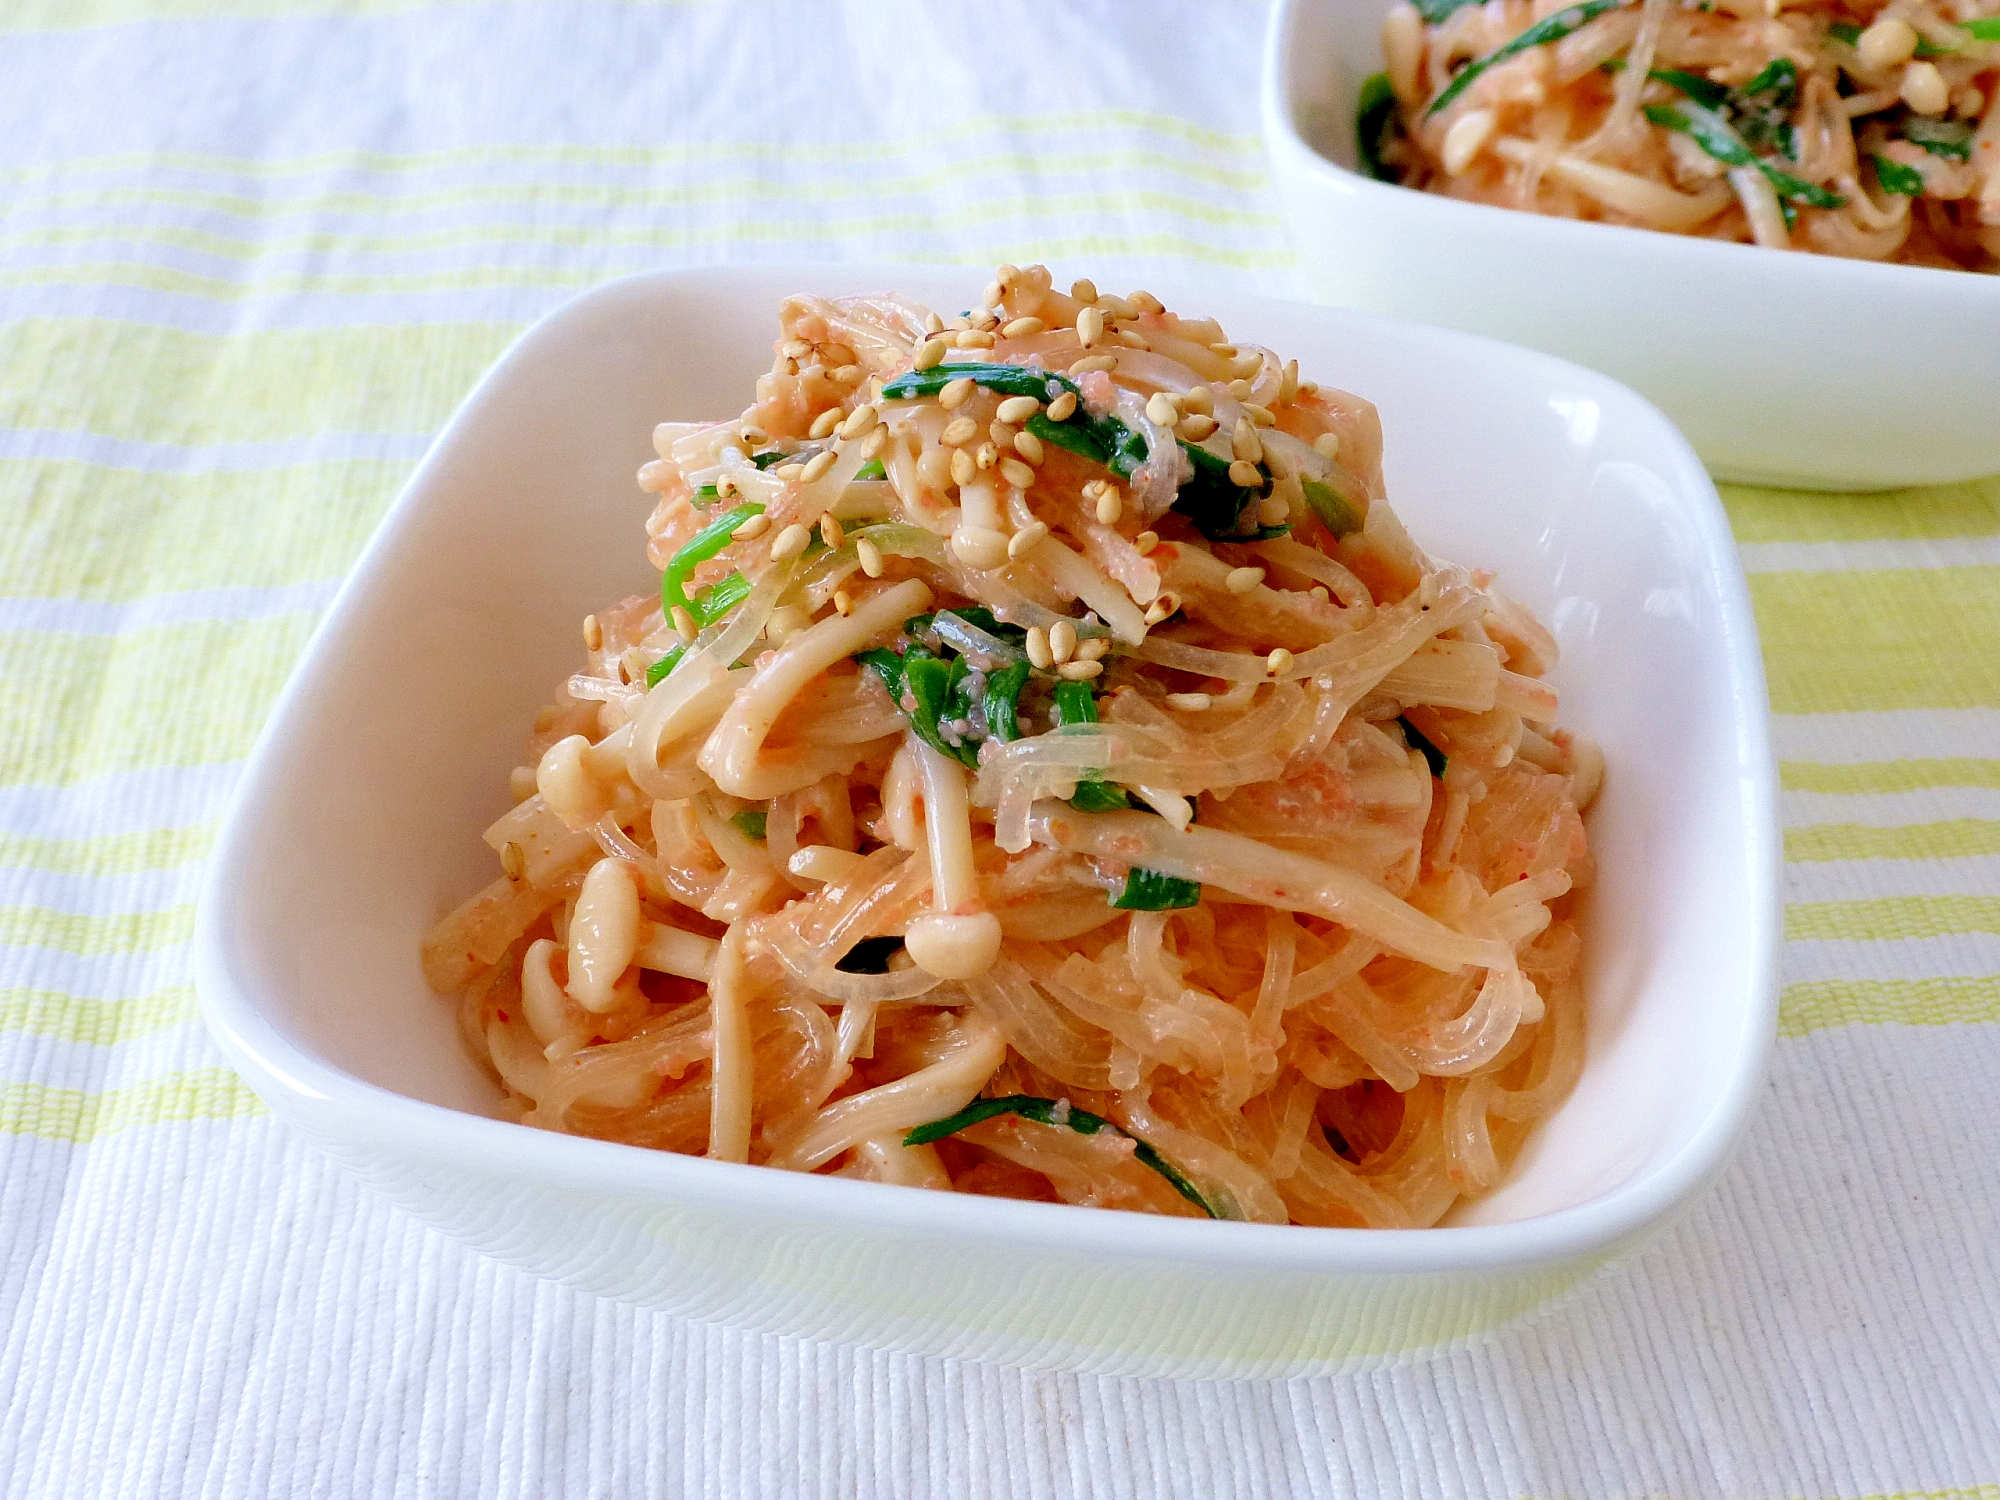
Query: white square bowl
{"type": "Point", "coordinates": [1782, 368]}
{"type": "Point", "coordinates": [359, 816]}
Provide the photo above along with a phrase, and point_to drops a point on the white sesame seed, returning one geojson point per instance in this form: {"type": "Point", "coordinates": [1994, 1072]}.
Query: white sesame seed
{"type": "Point", "coordinates": [1084, 290]}
{"type": "Point", "coordinates": [1886, 43]}
{"type": "Point", "coordinates": [1288, 385]}
{"type": "Point", "coordinates": [1196, 427]}
{"type": "Point", "coordinates": [513, 862]}
{"type": "Point", "coordinates": [874, 443]}
{"type": "Point", "coordinates": [933, 323]}
{"type": "Point", "coordinates": [1090, 364]}
{"type": "Point", "coordinates": [1006, 273]}
{"type": "Point", "coordinates": [1146, 541]}
{"type": "Point", "coordinates": [1080, 671]}
{"type": "Point", "coordinates": [1029, 447]}
{"type": "Point", "coordinates": [1224, 350]}
{"type": "Point", "coordinates": [1016, 473]}
{"type": "Point", "coordinates": [993, 293]}
{"type": "Point", "coordinates": [1320, 594]}
{"type": "Point", "coordinates": [1038, 648]}
{"type": "Point", "coordinates": [963, 469]}
{"type": "Point", "coordinates": [1132, 340]}
{"type": "Point", "coordinates": [1199, 399]}
{"type": "Point", "coordinates": [817, 465]}
{"type": "Point", "coordinates": [795, 349]}
{"type": "Point", "coordinates": [958, 432]}
{"type": "Point", "coordinates": [1022, 542]}
{"type": "Point", "coordinates": [1089, 326]}
{"type": "Point", "coordinates": [831, 531]}
{"type": "Point", "coordinates": [825, 422]}
{"type": "Point", "coordinates": [1261, 415]}
{"type": "Point", "coordinates": [986, 322]}
{"type": "Point", "coordinates": [1092, 650]}
{"type": "Point", "coordinates": [1244, 442]}
{"type": "Point", "coordinates": [843, 603]}
{"type": "Point", "coordinates": [974, 338]}
{"type": "Point", "coordinates": [1062, 641]}
{"type": "Point", "coordinates": [1189, 702]}
{"type": "Point", "coordinates": [1167, 604]}
{"type": "Point", "coordinates": [955, 392]}
{"type": "Point", "coordinates": [1110, 506]}
{"type": "Point", "coordinates": [1278, 662]}
{"type": "Point", "coordinates": [1017, 409]}
{"type": "Point", "coordinates": [859, 421]}
{"type": "Point", "coordinates": [753, 528]}
{"type": "Point", "coordinates": [1063, 407]}
{"type": "Point", "coordinates": [930, 355]}
{"type": "Point", "coordinates": [979, 547]}
{"type": "Point", "coordinates": [870, 555]}
{"type": "Point", "coordinates": [684, 625]}
{"type": "Point", "coordinates": [1114, 306]}
{"type": "Point", "coordinates": [1022, 328]}
{"type": "Point", "coordinates": [1002, 435]}
{"type": "Point", "coordinates": [753, 435]}
{"type": "Point", "coordinates": [986, 457]}
{"type": "Point", "coordinates": [1327, 445]}
{"type": "Point", "coordinates": [1239, 390]}
{"type": "Point", "coordinates": [1163, 409]}
{"type": "Point", "coordinates": [788, 472]}
{"type": "Point", "coordinates": [1246, 366]}
{"type": "Point", "coordinates": [725, 486]}
{"type": "Point", "coordinates": [1145, 302]}
{"type": "Point", "coordinates": [790, 542]}
{"type": "Point", "coordinates": [1925, 90]}
{"type": "Point", "coordinates": [1242, 580]}
{"type": "Point", "coordinates": [593, 634]}
{"type": "Point", "coordinates": [844, 374]}
{"type": "Point", "coordinates": [1244, 474]}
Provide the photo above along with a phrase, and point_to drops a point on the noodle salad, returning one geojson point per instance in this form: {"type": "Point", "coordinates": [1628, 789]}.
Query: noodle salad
{"type": "Point", "coordinates": [1824, 125]}
{"type": "Point", "coordinates": [1049, 770]}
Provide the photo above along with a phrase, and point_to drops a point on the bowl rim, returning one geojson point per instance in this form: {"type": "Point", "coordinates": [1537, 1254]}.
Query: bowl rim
{"type": "Point", "coordinates": [334, 1106]}
{"type": "Point", "coordinates": [1283, 136]}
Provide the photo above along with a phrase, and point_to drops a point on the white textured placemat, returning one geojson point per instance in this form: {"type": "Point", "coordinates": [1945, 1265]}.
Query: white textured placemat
{"type": "Point", "coordinates": [252, 254]}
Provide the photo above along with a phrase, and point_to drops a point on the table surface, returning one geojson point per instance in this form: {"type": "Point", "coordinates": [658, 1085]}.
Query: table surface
{"type": "Point", "coordinates": [251, 256]}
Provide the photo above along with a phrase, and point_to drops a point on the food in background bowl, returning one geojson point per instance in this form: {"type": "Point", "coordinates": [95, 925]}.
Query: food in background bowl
{"type": "Point", "coordinates": [1050, 771]}
{"type": "Point", "coordinates": [1847, 130]}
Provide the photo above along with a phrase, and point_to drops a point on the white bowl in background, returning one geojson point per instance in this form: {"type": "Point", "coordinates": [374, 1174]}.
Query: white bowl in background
{"type": "Point", "coordinates": [1791, 369]}
{"type": "Point", "coordinates": [359, 816]}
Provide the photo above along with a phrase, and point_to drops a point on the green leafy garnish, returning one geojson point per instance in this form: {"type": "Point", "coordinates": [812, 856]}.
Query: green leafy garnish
{"type": "Point", "coordinates": [699, 548]}
{"type": "Point", "coordinates": [1213, 501]}
{"type": "Point", "coordinates": [1335, 513]}
{"type": "Point", "coordinates": [1947, 138]}
{"type": "Point", "coordinates": [1928, 48]}
{"type": "Point", "coordinates": [1762, 108]}
{"type": "Point", "coordinates": [1710, 131]}
{"type": "Point", "coordinates": [1436, 12]}
{"type": "Point", "coordinates": [753, 821]}
{"type": "Point", "coordinates": [657, 672]}
{"type": "Point", "coordinates": [1004, 380]}
{"type": "Point", "coordinates": [1702, 90]}
{"type": "Point", "coordinates": [1058, 1113]}
{"type": "Point", "coordinates": [769, 459]}
{"type": "Point", "coordinates": [1433, 757]}
{"type": "Point", "coordinates": [1986, 29]}
{"type": "Point", "coordinates": [1896, 178]}
{"type": "Point", "coordinates": [1551, 28]}
{"type": "Point", "coordinates": [1149, 890]}
{"type": "Point", "coordinates": [872, 470]}
{"type": "Point", "coordinates": [719, 598]}
{"type": "Point", "coordinates": [935, 693]}
{"type": "Point", "coordinates": [1375, 117]}
{"type": "Point", "coordinates": [1003, 701]}
{"type": "Point", "coordinates": [1844, 31]}
{"type": "Point", "coordinates": [1075, 703]}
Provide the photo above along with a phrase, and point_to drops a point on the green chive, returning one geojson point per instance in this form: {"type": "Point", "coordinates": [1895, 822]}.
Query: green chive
{"type": "Point", "coordinates": [1549, 29]}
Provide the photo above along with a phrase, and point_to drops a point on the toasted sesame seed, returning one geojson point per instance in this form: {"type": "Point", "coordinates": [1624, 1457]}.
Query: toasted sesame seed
{"type": "Point", "coordinates": [979, 547]}
{"type": "Point", "coordinates": [1080, 671]}
{"type": "Point", "coordinates": [684, 625]}
{"type": "Point", "coordinates": [1062, 641]}
{"type": "Point", "coordinates": [1189, 702]}
{"type": "Point", "coordinates": [1132, 340]}
{"type": "Point", "coordinates": [986, 457]}
{"type": "Point", "coordinates": [1246, 366]}
{"type": "Point", "coordinates": [1016, 473]}
{"type": "Point", "coordinates": [753, 435]}
{"type": "Point", "coordinates": [837, 354]}
{"type": "Point", "coordinates": [874, 443]}
{"type": "Point", "coordinates": [1199, 398]}
{"type": "Point", "coordinates": [513, 863]}
{"type": "Point", "coordinates": [986, 322]}
{"type": "Point", "coordinates": [1084, 290]}
{"type": "Point", "coordinates": [1163, 409]}
{"type": "Point", "coordinates": [1029, 447]}
{"type": "Point", "coordinates": [817, 465]}
{"type": "Point", "coordinates": [753, 528]}
{"type": "Point", "coordinates": [1244, 473]}
{"type": "Point", "coordinates": [1092, 488]}
{"type": "Point", "coordinates": [1278, 662]}
{"type": "Point", "coordinates": [1261, 415]}
{"type": "Point", "coordinates": [870, 555]}
{"type": "Point", "coordinates": [1162, 607]}
{"type": "Point", "coordinates": [958, 432]}
{"type": "Point", "coordinates": [825, 422]}
{"type": "Point", "coordinates": [788, 472]}
{"type": "Point", "coordinates": [1239, 390]}
{"type": "Point", "coordinates": [845, 374]}
{"type": "Point", "coordinates": [843, 602]}
{"type": "Point", "coordinates": [1244, 442]}
{"type": "Point", "coordinates": [790, 542]}
{"type": "Point", "coordinates": [831, 531]}
{"type": "Point", "coordinates": [1320, 594]}
{"type": "Point", "coordinates": [1110, 506]}
{"type": "Point", "coordinates": [1038, 648]}
{"type": "Point", "coordinates": [1225, 351]}
{"type": "Point", "coordinates": [930, 355]}
{"type": "Point", "coordinates": [1063, 407]}
{"type": "Point", "coordinates": [795, 349]}
{"type": "Point", "coordinates": [1273, 511]}
{"type": "Point", "coordinates": [593, 634]}
{"type": "Point", "coordinates": [974, 338]}
{"type": "Point", "coordinates": [1288, 384]}
{"type": "Point", "coordinates": [955, 392]}
{"type": "Point", "coordinates": [963, 469]}
{"type": "Point", "coordinates": [1089, 326]}
{"type": "Point", "coordinates": [1090, 364]}
{"type": "Point", "coordinates": [993, 293]}
{"type": "Point", "coordinates": [1327, 445]}
{"type": "Point", "coordinates": [1146, 541]}
{"type": "Point", "coordinates": [1022, 328]}
{"type": "Point", "coordinates": [1005, 274]}
{"type": "Point", "coordinates": [1196, 427]}
{"type": "Point", "coordinates": [1022, 542]}
{"type": "Point", "coordinates": [1308, 387]}
{"type": "Point", "coordinates": [1242, 580]}
{"type": "Point", "coordinates": [1114, 306]}
{"type": "Point", "coordinates": [1017, 409]}
{"type": "Point", "coordinates": [1145, 302]}
{"type": "Point", "coordinates": [859, 421]}
{"type": "Point", "coordinates": [1092, 650]}
{"type": "Point", "coordinates": [933, 323]}
{"type": "Point", "coordinates": [1002, 435]}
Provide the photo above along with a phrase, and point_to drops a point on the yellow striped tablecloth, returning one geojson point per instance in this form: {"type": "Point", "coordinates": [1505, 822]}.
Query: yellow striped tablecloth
{"type": "Point", "coordinates": [251, 256]}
